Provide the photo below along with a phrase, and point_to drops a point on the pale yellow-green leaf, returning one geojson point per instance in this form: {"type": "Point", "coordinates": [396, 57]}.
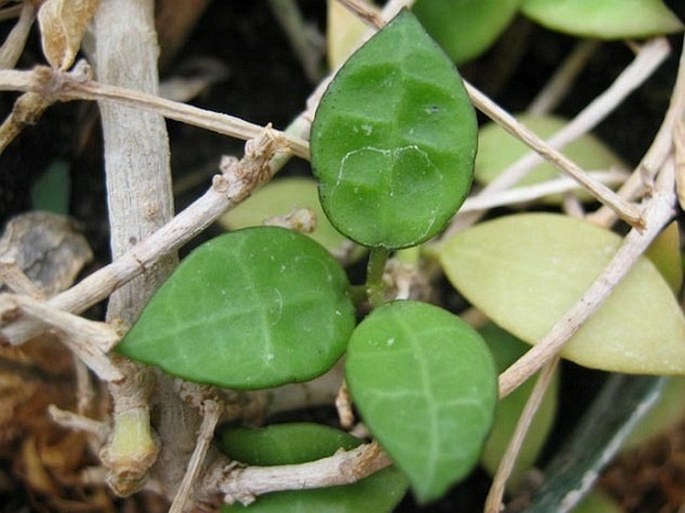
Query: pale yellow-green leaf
{"type": "Point", "coordinates": [343, 34]}
{"type": "Point", "coordinates": [604, 19]}
{"type": "Point", "coordinates": [281, 197]}
{"type": "Point", "coordinates": [497, 150]}
{"type": "Point", "coordinates": [526, 271]}
{"type": "Point", "coordinates": [62, 26]}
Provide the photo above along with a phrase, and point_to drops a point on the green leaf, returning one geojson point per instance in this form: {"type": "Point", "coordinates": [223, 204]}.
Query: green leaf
{"type": "Point", "coordinates": [425, 385]}
{"type": "Point", "coordinates": [52, 190]}
{"type": "Point", "coordinates": [525, 271]}
{"type": "Point", "coordinates": [281, 197]}
{"type": "Point", "coordinates": [394, 139]}
{"type": "Point", "coordinates": [664, 252]}
{"type": "Point", "coordinates": [288, 444]}
{"type": "Point", "coordinates": [497, 150]}
{"type": "Point", "coordinates": [604, 19]}
{"type": "Point", "coordinates": [465, 28]}
{"type": "Point", "coordinates": [252, 309]}
{"type": "Point", "coordinates": [507, 349]}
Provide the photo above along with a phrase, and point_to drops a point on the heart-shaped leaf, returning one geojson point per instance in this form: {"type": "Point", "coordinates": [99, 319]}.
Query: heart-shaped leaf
{"type": "Point", "coordinates": [394, 139]}
{"type": "Point", "coordinates": [497, 150]}
{"type": "Point", "coordinates": [525, 271]}
{"type": "Point", "coordinates": [289, 444]}
{"type": "Point", "coordinates": [282, 196]}
{"type": "Point", "coordinates": [464, 28]}
{"type": "Point", "coordinates": [425, 385]}
{"type": "Point", "coordinates": [506, 349]}
{"type": "Point", "coordinates": [255, 308]}
{"type": "Point", "coordinates": [604, 19]}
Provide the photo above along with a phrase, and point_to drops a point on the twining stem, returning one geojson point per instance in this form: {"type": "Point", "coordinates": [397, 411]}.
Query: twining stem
{"type": "Point", "coordinates": [378, 256]}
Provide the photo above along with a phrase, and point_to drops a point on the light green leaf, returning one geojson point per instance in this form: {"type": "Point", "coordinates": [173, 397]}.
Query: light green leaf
{"type": "Point", "coordinates": [507, 349]}
{"type": "Point", "coordinates": [497, 150]}
{"type": "Point", "coordinates": [288, 444]}
{"type": "Point", "coordinates": [425, 385]}
{"type": "Point", "coordinates": [598, 502]}
{"type": "Point", "coordinates": [465, 28]}
{"type": "Point", "coordinates": [525, 271]}
{"type": "Point", "coordinates": [394, 139]}
{"type": "Point", "coordinates": [604, 19]}
{"type": "Point", "coordinates": [281, 197]}
{"type": "Point", "coordinates": [252, 309]}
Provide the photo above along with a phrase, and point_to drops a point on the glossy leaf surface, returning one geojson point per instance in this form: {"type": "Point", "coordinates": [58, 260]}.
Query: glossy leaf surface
{"type": "Point", "coordinates": [507, 349]}
{"type": "Point", "coordinates": [465, 28]}
{"type": "Point", "coordinates": [282, 196]}
{"type": "Point", "coordinates": [425, 385]}
{"type": "Point", "coordinates": [497, 150]}
{"type": "Point", "coordinates": [394, 139]}
{"type": "Point", "coordinates": [286, 444]}
{"type": "Point", "coordinates": [251, 309]}
{"type": "Point", "coordinates": [525, 271]}
{"type": "Point", "coordinates": [604, 19]}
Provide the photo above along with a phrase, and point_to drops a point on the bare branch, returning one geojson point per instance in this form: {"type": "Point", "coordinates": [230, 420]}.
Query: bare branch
{"type": "Point", "coordinates": [68, 86]}
{"type": "Point", "coordinates": [344, 467]}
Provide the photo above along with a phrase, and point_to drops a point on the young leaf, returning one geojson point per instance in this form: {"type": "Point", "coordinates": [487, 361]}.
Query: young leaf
{"type": "Point", "coordinates": [465, 28]}
{"type": "Point", "coordinates": [425, 385]}
{"type": "Point", "coordinates": [280, 197]}
{"type": "Point", "coordinates": [497, 150]}
{"type": "Point", "coordinates": [252, 309]}
{"type": "Point", "coordinates": [525, 271]}
{"type": "Point", "coordinates": [288, 444]}
{"type": "Point", "coordinates": [604, 19]}
{"type": "Point", "coordinates": [394, 139]}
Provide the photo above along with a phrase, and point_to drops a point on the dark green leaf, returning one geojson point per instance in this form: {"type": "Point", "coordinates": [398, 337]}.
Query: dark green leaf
{"type": "Point", "coordinates": [52, 190]}
{"type": "Point", "coordinates": [465, 28]}
{"type": "Point", "coordinates": [287, 444]}
{"type": "Point", "coordinates": [425, 385]}
{"type": "Point", "coordinates": [394, 140]}
{"type": "Point", "coordinates": [255, 308]}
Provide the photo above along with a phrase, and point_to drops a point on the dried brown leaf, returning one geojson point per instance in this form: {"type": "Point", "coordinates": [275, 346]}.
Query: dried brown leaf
{"type": "Point", "coordinates": [62, 25]}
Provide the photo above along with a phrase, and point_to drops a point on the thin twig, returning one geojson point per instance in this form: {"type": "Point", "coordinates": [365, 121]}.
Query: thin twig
{"type": "Point", "coordinates": [66, 86]}
{"type": "Point", "coordinates": [493, 503]}
{"type": "Point", "coordinates": [527, 193]}
{"type": "Point", "coordinates": [89, 340]}
{"type": "Point", "coordinates": [658, 151]}
{"type": "Point", "coordinates": [344, 467]}
{"type": "Point", "coordinates": [211, 414]}
{"type": "Point", "coordinates": [76, 422]}
{"type": "Point", "coordinates": [635, 74]}
{"type": "Point", "coordinates": [365, 12]}
{"type": "Point", "coordinates": [16, 40]}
